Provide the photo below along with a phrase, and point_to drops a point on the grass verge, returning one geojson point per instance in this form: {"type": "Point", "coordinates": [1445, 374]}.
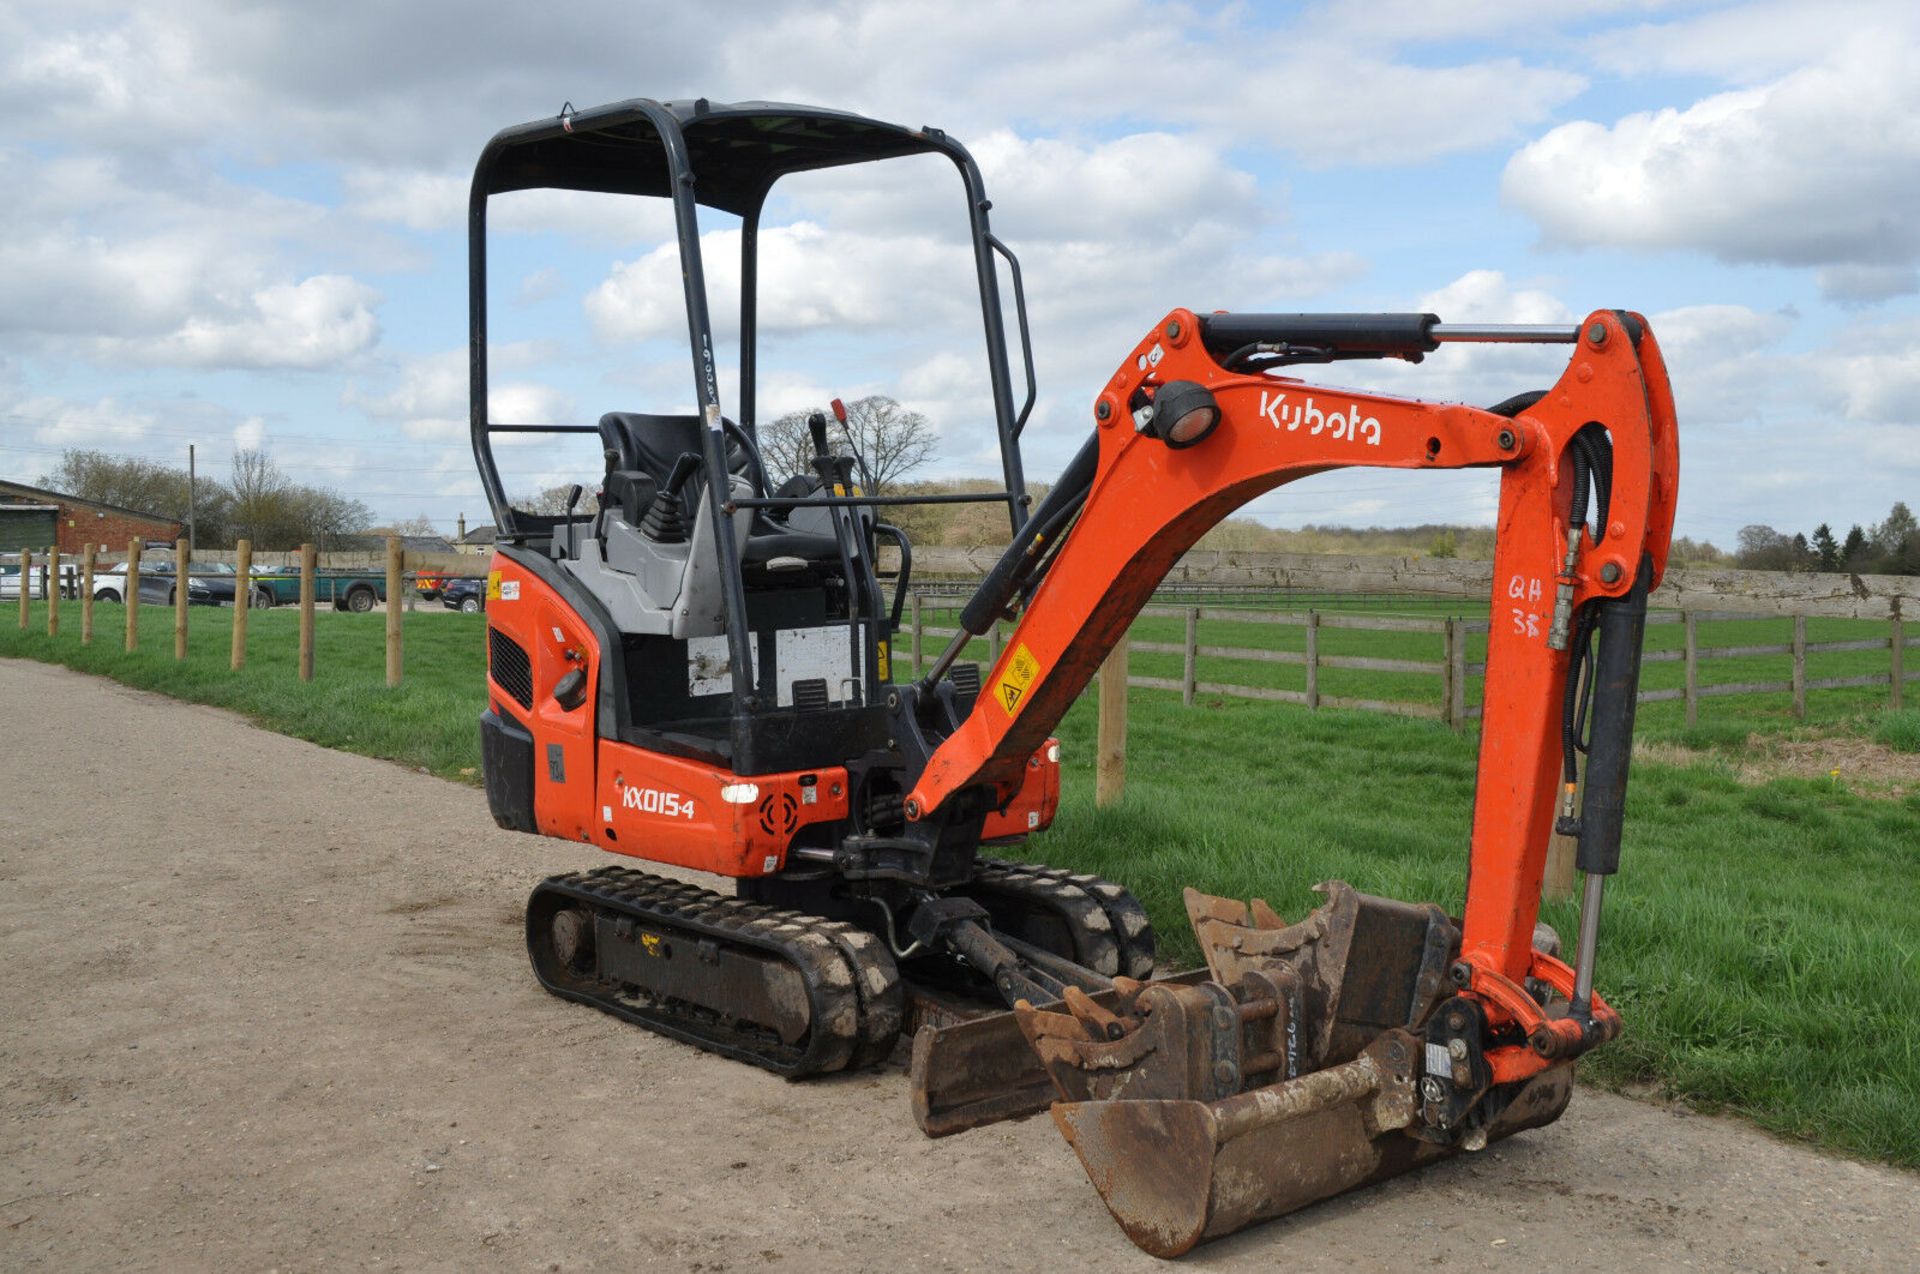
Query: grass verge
{"type": "Point", "coordinates": [1759, 940]}
{"type": "Point", "coordinates": [430, 721]}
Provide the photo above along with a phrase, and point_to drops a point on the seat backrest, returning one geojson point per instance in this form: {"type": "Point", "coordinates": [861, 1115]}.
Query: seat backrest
{"type": "Point", "coordinates": [648, 443]}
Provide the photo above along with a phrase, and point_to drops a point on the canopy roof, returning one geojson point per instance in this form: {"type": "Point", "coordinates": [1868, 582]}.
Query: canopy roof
{"type": "Point", "coordinates": [736, 151]}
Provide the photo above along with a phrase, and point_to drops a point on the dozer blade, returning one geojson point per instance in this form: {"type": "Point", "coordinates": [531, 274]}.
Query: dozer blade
{"type": "Point", "coordinates": [1324, 1056]}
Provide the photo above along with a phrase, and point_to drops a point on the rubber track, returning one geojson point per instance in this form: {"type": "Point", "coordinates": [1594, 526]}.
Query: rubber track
{"type": "Point", "coordinates": [855, 999]}
{"type": "Point", "coordinates": [1124, 927]}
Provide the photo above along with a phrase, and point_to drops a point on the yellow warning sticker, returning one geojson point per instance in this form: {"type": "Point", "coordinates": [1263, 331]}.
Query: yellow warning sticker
{"type": "Point", "coordinates": [886, 673]}
{"type": "Point", "coordinates": [493, 586]}
{"type": "Point", "coordinates": [1021, 668]}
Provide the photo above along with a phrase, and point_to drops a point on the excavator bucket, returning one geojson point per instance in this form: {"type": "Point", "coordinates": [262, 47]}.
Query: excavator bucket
{"type": "Point", "coordinates": [1304, 1068]}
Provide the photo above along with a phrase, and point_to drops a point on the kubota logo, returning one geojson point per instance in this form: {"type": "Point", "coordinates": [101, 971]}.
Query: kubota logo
{"type": "Point", "coordinates": [1342, 424]}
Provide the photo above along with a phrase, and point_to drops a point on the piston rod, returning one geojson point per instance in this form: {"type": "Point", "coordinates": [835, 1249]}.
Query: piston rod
{"type": "Point", "coordinates": [1506, 333]}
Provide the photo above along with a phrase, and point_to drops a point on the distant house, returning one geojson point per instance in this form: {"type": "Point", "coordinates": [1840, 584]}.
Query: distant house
{"type": "Point", "coordinates": [478, 540]}
{"type": "Point", "coordinates": [35, 518]}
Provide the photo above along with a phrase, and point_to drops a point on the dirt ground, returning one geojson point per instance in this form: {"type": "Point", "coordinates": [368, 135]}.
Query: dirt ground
{"type": "Point", "coordinates": [277, 1015]}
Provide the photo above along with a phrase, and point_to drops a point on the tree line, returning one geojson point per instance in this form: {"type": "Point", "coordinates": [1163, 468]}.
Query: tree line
{"type": "Point", "coordinates": [1891, 547]}
{"type": "Point", "coordinates": [257, 502]}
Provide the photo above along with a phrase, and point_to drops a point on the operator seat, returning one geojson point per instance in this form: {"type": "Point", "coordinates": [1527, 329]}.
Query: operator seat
{"type": "Point", "coordinates": [646, 447]}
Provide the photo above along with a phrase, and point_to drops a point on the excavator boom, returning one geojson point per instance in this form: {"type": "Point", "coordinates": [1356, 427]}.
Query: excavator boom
{"type": "Point", "coordinates": [1185, 433]}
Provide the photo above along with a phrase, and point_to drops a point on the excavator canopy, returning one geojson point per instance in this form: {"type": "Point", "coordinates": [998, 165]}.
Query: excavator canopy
{"type": "Point", "coordinates": [737, 149]}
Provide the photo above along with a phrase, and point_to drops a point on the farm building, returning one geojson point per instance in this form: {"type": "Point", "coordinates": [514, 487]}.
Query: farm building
{"type": "Point", "coordinates": [35, 518]}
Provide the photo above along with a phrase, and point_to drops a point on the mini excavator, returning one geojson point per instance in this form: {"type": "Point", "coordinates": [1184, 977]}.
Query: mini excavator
{"type": "Point", "coordinates": [701, 672]}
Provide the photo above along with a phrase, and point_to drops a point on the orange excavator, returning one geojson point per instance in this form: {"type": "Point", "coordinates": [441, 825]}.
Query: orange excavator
{"type": "Point", "coordinates": [700, 671]}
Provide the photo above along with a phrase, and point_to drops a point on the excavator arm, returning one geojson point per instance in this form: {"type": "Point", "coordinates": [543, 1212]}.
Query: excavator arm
{"type": "Point", "coordinates": [1183, 439]}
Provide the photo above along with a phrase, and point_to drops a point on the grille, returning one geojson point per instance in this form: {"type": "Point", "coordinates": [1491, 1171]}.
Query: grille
{"type": "Point", "coordinates": [507, 661]}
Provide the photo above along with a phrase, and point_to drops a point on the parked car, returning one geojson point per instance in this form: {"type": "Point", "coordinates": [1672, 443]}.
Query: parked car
{"type": "Point", "coordinates": [342, 590]}
{"type": "Point", "coordinates": [10, 581]}
{"type": "Point", "coordinates": [468, 595]}
{"type": "Point", "coordinates": [157, 586]}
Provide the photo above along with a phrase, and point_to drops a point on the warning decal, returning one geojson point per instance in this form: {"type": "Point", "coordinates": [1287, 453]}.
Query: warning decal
{"type": "Point", "coordinates": [1019, 673]}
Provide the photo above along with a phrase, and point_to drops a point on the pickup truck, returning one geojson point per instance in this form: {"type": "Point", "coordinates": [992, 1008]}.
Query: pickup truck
{"type": "Point", "coordinates": [343, 590]}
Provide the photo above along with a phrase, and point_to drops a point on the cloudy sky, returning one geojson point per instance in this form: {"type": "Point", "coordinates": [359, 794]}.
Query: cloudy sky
{"type": "Point", "coordinates": [240, 225]}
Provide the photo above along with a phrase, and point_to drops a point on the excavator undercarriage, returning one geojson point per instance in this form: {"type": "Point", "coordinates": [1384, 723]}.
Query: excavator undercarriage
{"type": "Point", "coordinates": [699, 671]}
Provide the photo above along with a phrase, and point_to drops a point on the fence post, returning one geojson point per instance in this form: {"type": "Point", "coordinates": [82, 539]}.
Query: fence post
{"type": "Point", "coordinates": [53, 591]}
{"type": "Point", "coordinates": [1191, 673]}
{"type": "Point", "coordinates": [1460, 675]}
{"type": "Point", "coordinates": [1899, 655]}
{"type": "Point", "coordinates": [1448, 679]}
{"type": "Point", "coordinates": [1313, 659]}
{"type": "Point", "coordinates": [133, 595]}
{"type": "Point", "coordinates": [242, 601]}
{"type": "Point", "coordinates": [86, 593]}
{"type": "Point", "coordinates": [1110, 775]}
{"type": "Point", "coordinates": [26, 584]}
{"type": "Point", "coordinates": [394, 562]}
{"type": "Point", "coordinates": [307, 562]}
{"type": "Point", "coordinates": [918, 628]}
{"type": "Point", "coordinates": [182, 564]}
{"type": "Point", "coordinates": [993, 644]}
{"type": "Point", "coordinates": [1800, 666]}
{"type": "Point", "coordinates": [1693, 668]}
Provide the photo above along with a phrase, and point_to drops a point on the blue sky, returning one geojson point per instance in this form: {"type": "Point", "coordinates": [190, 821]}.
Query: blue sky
{"type": "Point", "coordinates": [241, 225]}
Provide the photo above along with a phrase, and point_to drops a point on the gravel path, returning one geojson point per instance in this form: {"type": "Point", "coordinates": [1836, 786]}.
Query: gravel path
{"type": "Point", "coordinates": [278, 1015]}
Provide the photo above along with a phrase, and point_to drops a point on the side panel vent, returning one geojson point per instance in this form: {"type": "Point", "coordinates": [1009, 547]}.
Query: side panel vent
{"type": "Point", "coordinates": [507, 662]}
{"type": "Point", "coordinates": [779, 813]}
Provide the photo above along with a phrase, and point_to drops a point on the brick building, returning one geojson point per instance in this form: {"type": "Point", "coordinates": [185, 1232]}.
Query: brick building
{"type": "Point", "coordinates": [34, 518]}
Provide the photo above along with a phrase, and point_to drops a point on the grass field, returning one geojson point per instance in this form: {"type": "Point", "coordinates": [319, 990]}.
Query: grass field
{"type": "Point", "coordinates": [1760, 940]}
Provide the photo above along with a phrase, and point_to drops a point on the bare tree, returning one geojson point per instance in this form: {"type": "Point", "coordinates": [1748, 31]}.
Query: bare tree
{"type": "Point", "coordinates": [552, 501]}
{"type": "Point", "coordinates": [890, 439]}
{"type": "Point", "coordinates": [259, 497]}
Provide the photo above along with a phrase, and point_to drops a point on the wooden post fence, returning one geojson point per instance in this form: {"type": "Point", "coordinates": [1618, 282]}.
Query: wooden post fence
{"type": "Point", "coordinates": [53, 591]}
{"type": "Point", "coordinates": [242, 602]}
{"type": "Point", "coordinates": [1800, 667]}
{"type": "Point", "coordinates": [1454, 685]}
{"type": "Point", "coordinates": [1189, 675]}
{"type": "Point", "coordinates": [182, 563]}
{"type": "Point", "coordinates": [26, 584]}
{"type": "Point", "coordinates": [1899, 658]}
{"type": "Point", "coordinates": [1110, 775]}
{"type": "Point", "coordinates": [918, 629]}
{"type": "Point", "coordinates": [86, 593]}
{"type": "Point", "coordinates": [1313, 659]}
{"type": "Point", "coordinates": [1693, 667]}
{"type": "Point", "coordinates": [395, 560]}
{"type": "Point", "coordinates": [133, 595]}
{"type": "Point", "coordinates": [307, 564]}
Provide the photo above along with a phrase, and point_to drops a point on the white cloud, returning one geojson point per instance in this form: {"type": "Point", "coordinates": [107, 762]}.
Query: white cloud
{"type": "Point", "coordinates": [1875, 372]}
{"type": "Point", "coordinates": [429, 402]}
{"type": "Point", "coordinates": [1820, 167]}
{"type": "Point", "coordinates": [249, 434]}
{"type": "Point", "coordinates": [316, 323]}
{"type": "Point", "coordinates": [416, 199]}
{"type": "Point", "coordinates": [810, 277]}
{"type": "Point", "coordinates": [104, 422]}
